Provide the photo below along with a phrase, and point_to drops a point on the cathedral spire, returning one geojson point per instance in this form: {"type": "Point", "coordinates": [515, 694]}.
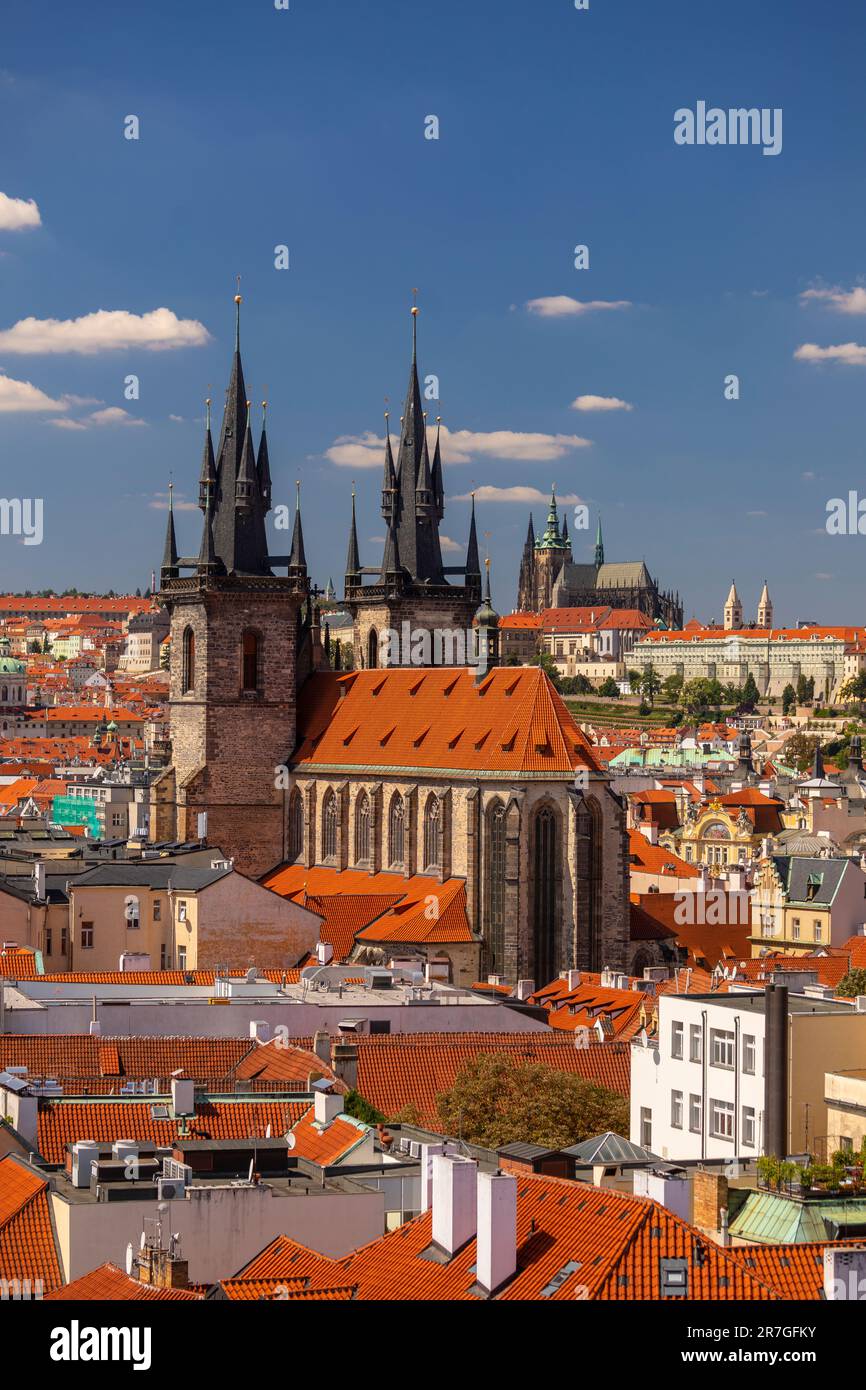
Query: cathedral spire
{"type": "Point", "coordinates": [208, 562]}
{"type": "Point", "coordinates": [424, 487]}
{"type": "Point", "coordinates": [438, 486]}
{"type": "Point", "coordinates": [263, 463]}
{"type": "Point", "coordinates": [169, 554]}
{"type": "Point", "coordinates": [238, 509]}
{"type": "Point", "coordinates": [389, 480]}
{"type": "Point", "coordinates": [298, 558]}
{"type": "Point", "coordinates": [391, 567]}
{"type": "Point", "coordinates": [207, 477]}
{"type": "Point", "coordinates": [599, 546]}
{"type": "Point", "coordinates": [473, 568]}
{"type": "Point", "coordinates": [247, 479]}
{"type": "Point", "coordinates": [353, 561]}
{"type": "Point", "coordinates": [417, 528]}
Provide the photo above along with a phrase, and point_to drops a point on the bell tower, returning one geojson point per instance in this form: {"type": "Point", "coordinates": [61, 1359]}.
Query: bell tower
{"type": "Point", "coordinates": [237, 631]}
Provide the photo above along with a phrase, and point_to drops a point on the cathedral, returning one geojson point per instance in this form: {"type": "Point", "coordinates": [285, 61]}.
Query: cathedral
{"type": "Point", "coordinates": [549, 578]}
{"type": "Point", "coordinates": [471, 786]}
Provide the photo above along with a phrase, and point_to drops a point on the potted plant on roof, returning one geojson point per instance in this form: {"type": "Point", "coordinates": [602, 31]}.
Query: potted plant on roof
{"type": "Point", "coordinates": [806, 1176]}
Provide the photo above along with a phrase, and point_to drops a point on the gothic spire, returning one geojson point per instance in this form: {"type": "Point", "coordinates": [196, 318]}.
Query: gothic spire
{"type": "Point", "coordinates": [424, 486]}
{"type": "Point", "coordinates": [599, 546]}
{"type": "Point", "coordinates": [389, 480]}
{"type": "Point", "coordinates": [247, 479]}
{"type": "Point", "coordinates": [391, 566]}
{"type": "Point", "coordinates": [207, 557]}
{"type": "Point", "coordinates": [438, 485]}
{"type": "Point", "coordinates": [263, 463]}
{"type": "Point", "coordinates": [417, 530]}
{"type": "Point", "coordinates": [240, 538]}
{"type": "Point", "coordinates": [353, 561]}
{"type": "Point", "coordinates": [298, 559]}
{"type": "Point", "coordinates": [207, 477]}
{"type": "Point", "coordinates": [473, 568]}
{"type": "Point", "coordinates": [169, 554]}
{"type": "Point", "coordinates": [530, 534]}
{"type": "Point", "coordinates": [564, 527]}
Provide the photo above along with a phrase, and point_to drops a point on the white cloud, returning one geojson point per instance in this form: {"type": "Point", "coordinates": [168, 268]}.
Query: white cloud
{"type": "Point", "coordinates": [159, 502]}
{"type": "Point", "coordinates": [515, 494]}
{"type": "Point", "coordinates": [600, 403]}
{"type": "Point", "coordinates": [450, 546]}
{"type": "Point", "coordinates": [107, 330]}
{"type": "Point", "coordinates": [461, 446]}
{"type": "Point", "coordinates": [21, 396]}
{"type": "Point", "coordinates": [18, 214]}
{"type": "Point", "coordinates": [849, 354]}
{"type": "Point", "coordinates": [560, 306]}
{"type": "Point", "coordinates": [843, 301]}
{"type": "Point", "coordinates": [112, 415]}
{"type": "Point", "coordinates": [178, 419]}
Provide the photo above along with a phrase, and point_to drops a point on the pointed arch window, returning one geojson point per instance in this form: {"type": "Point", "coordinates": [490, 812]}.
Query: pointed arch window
{"type": "Point", "coordinates": [250, 660]}
{"type": "Point", "coordinates": [495, 897]}
{"type": "Point", "coordinates": [329, 827]}
{"type": "Point", "coordinates": [432, 833]}
{"type": "Point", "coordinates": [296, 825]}
{"type": "Point", "coordinates": [544, 896]}
{"type": "Point", "coordinates": [372, 649]}
{"type": "Point", "coordinates": [362, 829]}
{"type": "Point", "coordinates": [395, 831]}
{"type": "Point", "coordinates": [188, 667]}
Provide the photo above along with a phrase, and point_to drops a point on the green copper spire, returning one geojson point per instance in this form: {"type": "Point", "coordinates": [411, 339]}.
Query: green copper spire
{"type": "Point", "coordinates": [599, 546]}
{"type": "Point", "coordinates": [552, 538]}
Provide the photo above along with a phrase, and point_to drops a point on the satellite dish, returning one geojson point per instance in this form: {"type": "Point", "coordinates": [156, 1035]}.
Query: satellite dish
{"type": "Point", "coordinates": [143, 1241]}
{"type": "Point", "coordinates": [268, 1132]}
{"type": "Point", "coordinates": [290, 1140]}
{"type": "Point", "coordinates": [129, 1258]}
{"type": "Point", "coordinates": [250, 1173]}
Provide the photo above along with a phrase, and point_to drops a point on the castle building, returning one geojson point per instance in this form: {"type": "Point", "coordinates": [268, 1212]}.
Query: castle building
{"type": "Point", "coordinates": [412, 585]}
{"type": "Point", "coordinates": [549, 577]}
{"type": "Point", "coordinates": [470, 779]}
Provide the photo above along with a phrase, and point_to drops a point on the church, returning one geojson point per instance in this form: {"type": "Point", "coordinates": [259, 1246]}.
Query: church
{"type": "Point", "coordinates": [471, 788]}
{"type": "Point", "coordinates": [549, 578]}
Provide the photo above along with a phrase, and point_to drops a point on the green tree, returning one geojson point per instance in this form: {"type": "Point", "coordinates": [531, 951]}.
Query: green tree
{"type": "Point", "coordinates": [634, 679]}
{"type": "Point", "coordinates": [799, 750]}
{"type": "Point", "coordinates": [852, 984]}
{"type": "Point", "coordinates": [750, 695]}
{"type": "Point", "coordinates": [361, 1109]}
{"type": "Point", "coordinates": [548, 666]}
{"type": "Point", "coordinates": [497, 1100]}
{"type": "Point", "coordinates": [609, 690]}
{"type": "Point", "coordinates": [854, 689]}
{"type": "Point", "coordinates": [650, 684]}
{"type": "Point", "coordinates": [672, 689]}
{"type": "Point", "coordinates": [699, 696]}
{"type": "Point", "coordinates": [789, 698]}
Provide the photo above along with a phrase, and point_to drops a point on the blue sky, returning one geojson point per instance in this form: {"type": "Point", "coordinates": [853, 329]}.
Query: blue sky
{"type": "Point", "coordinates": [306, 128]}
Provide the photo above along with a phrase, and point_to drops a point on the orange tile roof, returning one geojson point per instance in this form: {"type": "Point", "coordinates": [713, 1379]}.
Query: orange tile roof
{"type": "Point", "coordinates": [283, 1291]}
{"type": "Point", "coordinates": [277, 1061]}
{"type": "Point", "coordinates": [520, 620]}
{"type": "Point", "coordinates": [324, 1144]}
{"type": "Point", "coordinates": [795, 1271]}
{"type": "Point", "coordinates": [81, 1057]}
{"type": "Point", "coordinates": [615, 1240]}
{"type": "Point", "coordinates": [707, 944]}
{"type": "Point", "coordinates": [618, 1009]}
{"type": "Point", "coordinates": [28, 1249]}
{"type": "Point", "coordinates": [655, 859]}
{"type": "Point", "coordinates": [439, 719]}
{"type": "Point", "coordinates": [388, 907]}
{"type": "Point", "coordinates": [64, 1122]}
{"type": "Point", "coordinates": [399, 1070]}
{"type": "Point", "coordinates": [286, 1260]}
{"type": "Point", "coordinates": [110, 1284]}
{"type": "Point", "coordinates": [778, 634]}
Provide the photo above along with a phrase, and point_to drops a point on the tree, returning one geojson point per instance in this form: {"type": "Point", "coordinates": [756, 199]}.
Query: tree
{"type": "Point", "coordinates": [497, 1100]}
{"type": "Point", "coordinates": [701, 695]}
{"type": "Point", "coordinates": [733, 694]}
{"type": "Point", "coordinates": [634, 679]}
{"type": "Point", "coordinates": [361, 1109]}
{"type": "Point", "coordinates": [854, 689]}
{"type": "Point", "coordinates": [799, 750]}
{"type": "Point", "coordinates": [548, 666]}
{"type": "Point", "coordinates": [750, 694]}
{"type": "Point", "coordinates": [609, 690]}
{"type": "Point", "coordinates": [852, 984]}
{"type": "Point", "coordinates": [789, 699]}
{"type": "Point", "coordinates": [650, 684]}
{"type": "Point", "coordinates": [672, 689]}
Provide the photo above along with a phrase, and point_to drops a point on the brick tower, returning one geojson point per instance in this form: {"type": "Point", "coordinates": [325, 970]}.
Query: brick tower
{"type": "Point", "coordinates": [241, 637]}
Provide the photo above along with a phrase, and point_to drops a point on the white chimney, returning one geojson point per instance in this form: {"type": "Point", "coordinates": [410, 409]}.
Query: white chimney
{"type": "Point", "coordinates": [327, 1106]}
{"type": "Point", "coordinates": [845, 1273]}
{"type": "Point", "coordinates": [324, 952]}
{"type": "Point", "coordinates": [496, 1258]}
{"type": "Point", "coordinates": [525, 988]}
{"type": "Point", "coordinates": [260, 1030]}
{"type": "Point", "coordinates": [454, 1202]}
{"type": "Point", "coordinates": [39, 881]}
{"type": "Point", "coordinates": [573, 979]}
{"type": "Point", "coordinates": [84, 1154]}
{"type": "Point", "coordinates": [650, 831]}
{"type": "Point", "coordinates": [201, 825]}
{"type": "Point", "coordinates": [860, 1003]}
{"type": "Point", "coordinates": [428, 1152]}
{"type": "Point", "coordinates": [182, 1095]}
{"type": "Point", "coordinates": [95, 1028]}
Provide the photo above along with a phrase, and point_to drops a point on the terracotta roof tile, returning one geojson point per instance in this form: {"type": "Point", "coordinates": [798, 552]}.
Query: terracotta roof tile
{"type": "Point", "coordinates": [108, 1283]}
{"type": "Point", "coordinates": [28, 1249]}
{"type": "Point", "coordinates": [64, 1122]}
{"type": "Point", "coordinates": [324, 1144]}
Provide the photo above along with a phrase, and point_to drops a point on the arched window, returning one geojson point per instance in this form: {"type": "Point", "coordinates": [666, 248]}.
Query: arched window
{"type": "Point", "coordinates": [362, 829]}
{"type": "Point", "coordinates": [589, 878]}
{"type": "Point", "coordinates": [495, 896]}
{"type": "Point", "coordinates": [4, 695]}
{"type": "Point", "coordinates": [395, 831]}
{"type": "Point", "coordinates": [329, 827]}
{"type": "Point", "coordinates": [188, 672]}
{"type": "Point", "coordinates": [432, 833]}
{"type": "Point", "coordinates": [296, 825]}
{"type": "Point", "coordinates": [372, 649]}
{"type": "Point", "coordinates": [250, 660]}
{"type": "Point", "coordinates": [544, 897]}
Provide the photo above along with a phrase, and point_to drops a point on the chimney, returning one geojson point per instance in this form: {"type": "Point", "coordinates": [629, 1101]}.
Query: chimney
{"type": "Point", "coordinates": [845, 1273]}
{"type": "Point", "coordinates": [776, 1073]}
{"type": "Point", "coordinates": [496, 1257]}
{"type": "Point", "coordinates": [260, 1030]}
{"type": "Point", "coordinates": [182, 1096]}
{"type": "Point", "coordinates": [650, 831]}
{"type": "Point", "coordinates": [573, 978]}
{"type": "Point", "coordinates": [327, 1105]}
{"type": "Point", "coordinates": [525, 988]}
{"type": "Point", "coordinates": [322, 1046]}
{"type": "Point", "coordinates": [428, 1152]}
{"type": "Point", "coordinates": [344, 1060]}
{"type": "Point", "coordinates": [454, 1202]}
{"type": "Point", "coordinates": [39, 881]}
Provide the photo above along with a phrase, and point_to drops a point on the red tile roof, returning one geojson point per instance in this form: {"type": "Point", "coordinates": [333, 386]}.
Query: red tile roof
{"type": "Point", "coordinates": [283, 1291]}
{"type": "Point", "coordinates": [64, 1122]}
{"type": "Point", "coordinates": [28, 1250]}
{"type": "Point", "coordinates": [284, 1259]}
{"type": "Point", "coordinates": [110, 1284]}
{"type": "Point", "coordinates": [79, 1057]}
{"type": "Point", "coordinates": [654, 859]}
{"type": "Point", "coordinates": [385, 906]}
{"type": "Point", "coordinates": [511, 721]}
{"type": "Point", "coordinates": [324, 1144]}
{"type": "Point", "coordinates": [795, 1271]}
{"type": "Point", "coordinates": [278, 1061]}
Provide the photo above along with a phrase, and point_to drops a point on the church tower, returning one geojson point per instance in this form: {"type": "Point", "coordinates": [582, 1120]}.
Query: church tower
{"type": "Point", "coordinates": [765, 608]}
{"type": "Point", "coordinates": [239, 634]}
{"type": "Point", "coordinates": [411, 593]}
{"type": "Point", "coordinates": [733, 619]}
{"type": "Point", "coordinates": [552, 550]}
